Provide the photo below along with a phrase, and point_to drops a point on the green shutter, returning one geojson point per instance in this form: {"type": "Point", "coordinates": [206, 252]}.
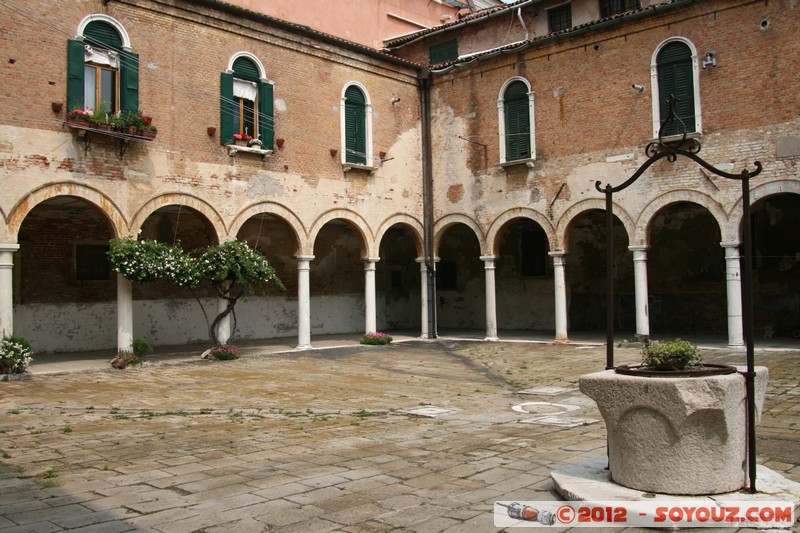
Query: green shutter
{"type": "Point", "coordinates": [443, 52]}
{"type": "Point", "coordinates": [245, 69]}
{"type": "Point", "coordinates": [676, 76]}
{"type": "Point", "coordinates": [75, 59]}
{"type": "Point", "coordinates": [102, 35]}
{"type": "Point", "coordinates": [355, 126]}
{"type": "Point", "coordinates": [225, 109]}
{"type": "Point", "coordinates": [266, 118]}
{"type": "Point", "coordinates": [129, 82]}
{"type": "Point", "coordinates": [517, 121]}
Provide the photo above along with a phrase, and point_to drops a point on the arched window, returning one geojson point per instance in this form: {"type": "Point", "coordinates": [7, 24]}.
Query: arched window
{"type": "Point", "coordinates": [356, 127]}
{"type": "Point", "coordinates": [246, 102]}
{"type": "Point", "coordinates": [516, 121]}
{"type": "Point", "coordinates": [674, 72]}
{"type": "Point", "coordinates": [102, 72]}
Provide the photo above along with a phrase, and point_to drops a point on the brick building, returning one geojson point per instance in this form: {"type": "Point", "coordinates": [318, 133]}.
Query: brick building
{"type": "Point", "coordinates": [474, 145]}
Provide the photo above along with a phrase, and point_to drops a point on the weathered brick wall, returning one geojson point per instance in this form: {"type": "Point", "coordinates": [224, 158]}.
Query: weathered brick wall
{"type": "Point", "coordinates": [586, 111]}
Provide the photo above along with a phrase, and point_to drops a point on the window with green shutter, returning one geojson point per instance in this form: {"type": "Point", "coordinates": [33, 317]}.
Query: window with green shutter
{"type": "Point", "coordinates": [355, 126]}
{"type": "Point", "coordinates": [675, 73]}
{"type": "Point", "coordinates": [101, 74]}
{"type": "Point", "coordinates": [516, 107]}
{"type": "Point", "coordinates": [246, 104]}
{"type": "Point", "coordinates": [443, 52]}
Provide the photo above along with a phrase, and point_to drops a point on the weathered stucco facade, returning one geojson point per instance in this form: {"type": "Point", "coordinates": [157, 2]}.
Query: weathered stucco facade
{"type": "Point", "coordinates": [518, 243]}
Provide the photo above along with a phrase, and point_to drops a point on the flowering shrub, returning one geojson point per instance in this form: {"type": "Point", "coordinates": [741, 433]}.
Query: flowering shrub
{"type": "Point", "coordinates": [149, 260]}
{"type": "Point", "coordinates": [233, 268]}
{"type": "Point", "coordinates": [242, 137]}
{"type": "Point", "coordinates": [15, 355]}
{"type": "Point", "coordinates": [225, 352]}
{"type": "Point", "coordinates": [376, 338]}
{"type": "Point", "coordinates": [125, 359]}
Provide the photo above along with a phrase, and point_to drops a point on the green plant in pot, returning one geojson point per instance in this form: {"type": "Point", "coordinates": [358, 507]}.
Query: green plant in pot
{"type": "Point", "coordinates": [671, 355]}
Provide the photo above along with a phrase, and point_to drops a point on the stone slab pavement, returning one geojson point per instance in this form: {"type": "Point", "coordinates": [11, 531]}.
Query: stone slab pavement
{"type": "Point", "coordinates": [416, 436]}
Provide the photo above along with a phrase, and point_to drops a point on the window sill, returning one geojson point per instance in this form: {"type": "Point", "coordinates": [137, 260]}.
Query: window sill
{"type": "Point", "coordinates": [674, 138]}
{"type": "Point", "coordinates": [529, 162]}
{"type": "Point", "coordinates": [88, 132]}
{"type": "Point", "coordinates": [234, 149]}
{"type": "Point", "coordinates": [347, 167]}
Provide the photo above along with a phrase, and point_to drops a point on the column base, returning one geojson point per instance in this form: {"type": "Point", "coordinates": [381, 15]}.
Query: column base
{"type": "Point", "coordinates": [303, 347]}
{"type": "Point", "coordinates": [491, 339]}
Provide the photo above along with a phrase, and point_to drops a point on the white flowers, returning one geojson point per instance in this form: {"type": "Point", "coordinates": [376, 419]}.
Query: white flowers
{"type": "Point", "coordinates": [15, 355]}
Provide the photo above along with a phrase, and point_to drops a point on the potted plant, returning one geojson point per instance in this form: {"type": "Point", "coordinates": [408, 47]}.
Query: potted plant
{"type": "Point", "coordinates": [100, 119]}
{"type": "Point", "coordinates": [256, 143]}
{"type": "Point", "coordinates": [15, 356]}
{"type": "Point", "coordinates": [149, 132]}
{"type": "Point", "coordinates": [241, 139]}
{"type": "Point", "coordinates": [675, 425]}
{"type": "Point", "coordinates": [79, 117]}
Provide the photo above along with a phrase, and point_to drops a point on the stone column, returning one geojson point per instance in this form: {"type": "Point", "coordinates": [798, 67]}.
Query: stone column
{"type": "Point", "coordinates": [224, 327]}
{"type": "Point", "coordinates": [303, 302]}
{"type": "Point", "coordinates": [423, 270]}
{"type": "Point", "coordinates": [124, 313]}
{"type": "Point", "coordinates": [491, 298]}
{"type": "Point", "coordinates": [734, 288]}
{"type": "Point", "coordinates": [642, 294]}
{"type": "Point", "coordinates": [369, 294]}
{"type": "Point", "coordinates": [561, 295]}
{"type": "Point", "coordinates": [7, 288]}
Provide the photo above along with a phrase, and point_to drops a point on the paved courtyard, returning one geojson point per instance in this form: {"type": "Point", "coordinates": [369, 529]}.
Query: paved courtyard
{"type": "Point", "coordinates": [415, 436]}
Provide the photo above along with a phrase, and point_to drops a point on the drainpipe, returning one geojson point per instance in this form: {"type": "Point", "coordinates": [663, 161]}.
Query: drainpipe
{"type": "Point", "coordinates": [522, 22]}
{"type": "Point", "coordinates": [424, 81]}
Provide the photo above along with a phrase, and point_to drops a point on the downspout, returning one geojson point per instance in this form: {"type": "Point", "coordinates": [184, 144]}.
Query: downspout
{"type": "Point", "coordinates": [424, 81]}
{"type": "Point", "coordinates": [522, 22]}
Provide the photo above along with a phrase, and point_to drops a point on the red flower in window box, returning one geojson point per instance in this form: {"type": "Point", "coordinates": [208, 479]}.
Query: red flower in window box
{"type": "Point", "coordinates": [242, 139]}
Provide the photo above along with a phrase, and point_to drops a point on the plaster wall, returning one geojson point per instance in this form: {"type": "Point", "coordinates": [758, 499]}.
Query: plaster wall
{"type": "Point", "coordinates": [367, 23]}
{"type": "Point", "coordinates": [70, 327]}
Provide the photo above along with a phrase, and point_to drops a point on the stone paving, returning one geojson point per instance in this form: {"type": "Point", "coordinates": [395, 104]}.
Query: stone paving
{"type": "Point", "coordinates": [321, 440]}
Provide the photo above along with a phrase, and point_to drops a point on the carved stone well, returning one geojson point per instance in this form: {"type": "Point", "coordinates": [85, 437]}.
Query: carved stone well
{"type": "Point", "coordinates": [675, 435]}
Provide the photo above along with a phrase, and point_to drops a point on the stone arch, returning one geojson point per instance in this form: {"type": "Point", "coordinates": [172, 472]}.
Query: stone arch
{"type": "Point", "coordinates": [680, 195]}
{"type": "Point", "coordinates": [354, 220]}
{"type": "Point", "coordinates": [176, 198]}
{"type": "Point", "coordinates": [407, 220]}
{"type": "Point", "coordinates": [271, 208]}
{"type": "Point", "coordinates": [760, 192]}
{"type": "Point", "coordinates": [446, 221]}
{"type": "Point", "coordinates": [594, 203]}
{"type": "Point", "coordinates": [262, 73]}
{"type": "Point", "coordinates": [100, 17]}
{"type": "Point", "coordinates": [515, 213]}
{"type": "Point", "coordinates": [103, 202]}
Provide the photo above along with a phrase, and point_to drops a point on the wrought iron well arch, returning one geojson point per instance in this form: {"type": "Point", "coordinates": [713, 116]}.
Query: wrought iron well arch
{"type": "Point", "coordinates": [690, 147]}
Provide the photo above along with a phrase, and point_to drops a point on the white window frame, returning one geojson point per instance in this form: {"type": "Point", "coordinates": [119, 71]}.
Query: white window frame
{"type": "Point", "coordinates": [656, 97]}
{"type": "Point", "coordinates": [368, 119]}
{"type": "Point", "coordinates": [126, 40]}
{"type": "Point", "coordinates": [501, 119]}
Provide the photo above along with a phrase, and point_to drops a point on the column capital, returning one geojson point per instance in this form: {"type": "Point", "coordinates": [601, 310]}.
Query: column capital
{"type": "Point", "coordinates": [8, 247]}
{"type": "Point", "coordinates": [639, 247]}
{"type": "Point", "coordinates": [488, 257]}
{"type": "Point", "coordinates": [372, 260]}
{"type": "Point", "coordinates": [304, 257]}
{"type": "Point", "coordinates": [730, 244]}
{"type": "Point", "coordinates": [557, 253]}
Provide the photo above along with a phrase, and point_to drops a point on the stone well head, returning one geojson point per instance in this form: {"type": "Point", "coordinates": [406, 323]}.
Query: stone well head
{"type": "Point", "coordinates": [675, 435]}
